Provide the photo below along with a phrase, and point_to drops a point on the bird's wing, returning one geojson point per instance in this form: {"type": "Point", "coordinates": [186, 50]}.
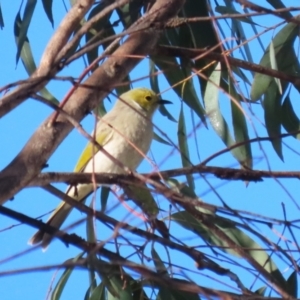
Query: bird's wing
{"type": "Point", "coordinates": [104, 134]}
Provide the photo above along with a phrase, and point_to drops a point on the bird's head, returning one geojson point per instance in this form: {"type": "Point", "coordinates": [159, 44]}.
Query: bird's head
{"type": "Point", "coordinates": [143, 99]}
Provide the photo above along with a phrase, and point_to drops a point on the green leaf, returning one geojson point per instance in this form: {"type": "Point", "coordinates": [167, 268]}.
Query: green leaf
{"type": "Point", "coordinates": [292, 284]}
{"type": "Point", "coordinates": [100, 29]}
{"type": "Point", "coordinates": [105, 270]}
{"type": "Point", "coordinates": [176, 77]}
{"type": "Point", "coordinates": [155, 87]}
{"type": "Point", "coordinates": [192, 9]}
{"type": "Point", "coordinates": [104, 197]}
{"type": "Point", "coordinates": [159, 139]}
{"type": "Point", "coordinates": [278, 4]}
{"type": "Point", "coordinates": [98, 293]}
{"type": "Point", "coordinates": [272, 106]}
{"type": "Point", "coordinates": [159, 265]}
{"type": "Point", "coordinates": [225, 10]}
{"type": "Point", "coordinates": [184, 148]}
{"type": "Point", "coordinates": [124, 292]}
{"type": "Point", "coordinates": [90, 227]}
{"type": "Point", "coordinates": [211, 101]}
{"type": "Point", "coordinates": [153, 77]}
{"type": "Point", "coordinates": [290, 120]}
{"type": "Point", "coordinates": [283, 45]}
{"type": "Point", "coordinates": [28, 12]}
{"type": "Point", "coordinates": [237, 236]}
{"type": "Point", "coordinates": [130, 12]}
{"type": "Point", "coordinates": [163, 110]}
{"type": "Point", "coordinates": [274, 66]}
{"type": "Point", "coordinates": [261, 291]}
{"type": "Point", "coordinates": [28, 60]}
{"type": "Point", "coordinates": [238, 32]}
{"type": "Point", "coordinates": [188, 96]}
{"type": "Point", "coordinates": [240, 126]}
{"type": "Point", "coordinates": [56, 294]}
{"type": "Point", "coordinates": [47, 4]}
{"type": "Point", "coordinates": [1, 19]}
{"type": "Point", "coordinates": [173, 294]}
{"type": "Point", "coordinates": [89, 291]}
{"type": "Point", "coordinates": [142, 197]}
{"type": "Point", "coordinates": [26, 53]}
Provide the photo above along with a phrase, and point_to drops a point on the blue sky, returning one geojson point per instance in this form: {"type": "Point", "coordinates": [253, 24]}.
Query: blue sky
{"type": "Point", "coordinates": [16, 128]}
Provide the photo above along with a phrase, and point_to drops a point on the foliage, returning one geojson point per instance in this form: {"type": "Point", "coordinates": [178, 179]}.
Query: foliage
{"type": "Point", "coordinates": [205, 54]}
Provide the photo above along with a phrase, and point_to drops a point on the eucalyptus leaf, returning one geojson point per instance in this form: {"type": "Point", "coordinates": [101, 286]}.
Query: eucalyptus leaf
{"type": "Point", "coordinates": [184, 148]}
{"type": "Point", "coordinates": [238, 237]}
{"type": "Point", "coordinates": [211, 101]}
{"type": "Point", "coordinates": [1, 18]}
{"type": "Point", "coordinates": [159, 139]}
{"type": "Point", "coordinates": [290, 120]}
{"type": "Point", "coordinates": [47, 4]}
{"type": "Point", "coordinates": [124, 292]}
{"type": "Point", "coordinates": [292, 284]}
{"type": "Point", "coordinates": [159, 265]}
{"type": "Point", "coordinates": [274, 66]}
{"type": "Point", "coordinates": [24, 25]}
{"type": "Point", "coordinates": [142, 197]}
{"type": "Point", "coordinates": [240, 126]}
{"type": "Point", "coordinates": [98, 293]}
{"type": "Point", "coordinates": [57, 291]}
{"type": "Point", "coordinates": [283, 45]}
{"type": "Point", "coordinates": [225, 10]}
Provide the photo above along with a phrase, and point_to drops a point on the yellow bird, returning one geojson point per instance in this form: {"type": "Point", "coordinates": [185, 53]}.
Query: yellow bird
{"type": "Point", "coordinates": [125, 133]}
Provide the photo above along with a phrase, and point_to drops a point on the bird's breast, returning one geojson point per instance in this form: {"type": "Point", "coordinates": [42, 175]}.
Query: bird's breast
{"type": "Point", "coordinates": [128, 146]}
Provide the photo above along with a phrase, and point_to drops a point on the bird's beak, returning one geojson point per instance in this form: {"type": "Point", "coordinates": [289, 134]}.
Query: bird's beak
{"type": "Point", "coordinates": [163, 102]}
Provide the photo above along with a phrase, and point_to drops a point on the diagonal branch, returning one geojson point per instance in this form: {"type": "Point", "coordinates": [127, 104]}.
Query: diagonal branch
{"type": "Point", "coordinates": [32, 158]}
{"type": "Point", "coordinates": [45, 71]}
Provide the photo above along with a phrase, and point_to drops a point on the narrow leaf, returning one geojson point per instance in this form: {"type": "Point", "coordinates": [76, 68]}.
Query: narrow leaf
{"type": "Point", "coordinates": [124, 292]}
{"type": "Point", "coordinates": [290, 120]}
{"type": "Point", "coordinates": [142, 197]}
{"type": "Point", "coordinates": [184, 148]}
{"type": "Point", "coordinates": [1, 19]}
{"type": "Point", "coordinates": [277, 4]}
{"type": "Point", "coordinates": [159, 139]}
{"type": "Point", "coordinates": [237, 236]}
{"type": "Point", "coordinates": [28, 12]}
{"type": "Point", "coordinates": [56, 294]}
{"type": "Point", "coordinates": [28, 60]}
{"type": "Point", "coordinates": [177, 79]}
{"type": "Point", "coordinates": [159, 265]}
{"type": "Point", "coordinates": [47, 4]}
{"type": "Point", "coordinates": [104, 197]}
{"type": "Point", "coordinates": [292, 284]}
{"type": "Point", "coordinates": [283, 47]}
{"type": "Point", "coordinates": [240, 126]}
{"type": "Point", "coordinates": [272, 109]}
{"type": "Point", "coordinates": [225, 10]}
{"type": "Point", "coordinates": [211, 101]}
{"type": "Point", "coordinates": [155, 87]}
{"type": "Point", "coordinates": [274, 66]}
{"type": "Point", "coordinates": [98, 293]}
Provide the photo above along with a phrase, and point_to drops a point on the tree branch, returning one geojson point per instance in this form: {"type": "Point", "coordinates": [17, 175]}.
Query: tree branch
{"type": "Point", "coordinates": [193, 53]}
{"type": "Point", "coordinates": [28, 163]}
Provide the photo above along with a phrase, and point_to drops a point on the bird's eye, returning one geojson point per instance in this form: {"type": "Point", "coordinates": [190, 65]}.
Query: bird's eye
{"type": "Point", "coordinates": [148, 98]}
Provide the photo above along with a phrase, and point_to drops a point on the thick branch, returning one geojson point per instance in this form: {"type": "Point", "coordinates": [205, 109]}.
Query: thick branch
{"type": "Point", "coordinates": [46, 139]}
{"type": "Point", "coordinates": [124, 179]}
{"type": "Point", "coordinates": [45, 71]}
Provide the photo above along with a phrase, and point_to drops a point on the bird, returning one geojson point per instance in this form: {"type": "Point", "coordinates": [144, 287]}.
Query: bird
{"type": "Point", "coordinates": [126, 133]}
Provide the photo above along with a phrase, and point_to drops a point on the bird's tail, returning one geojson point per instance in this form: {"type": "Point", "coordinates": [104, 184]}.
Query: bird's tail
{"type": "Point", "coordinates": [79, 193]}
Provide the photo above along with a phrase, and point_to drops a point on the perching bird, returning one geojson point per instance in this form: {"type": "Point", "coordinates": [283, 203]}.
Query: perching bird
{"type": "Point", "coordinates": [122, 132]}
